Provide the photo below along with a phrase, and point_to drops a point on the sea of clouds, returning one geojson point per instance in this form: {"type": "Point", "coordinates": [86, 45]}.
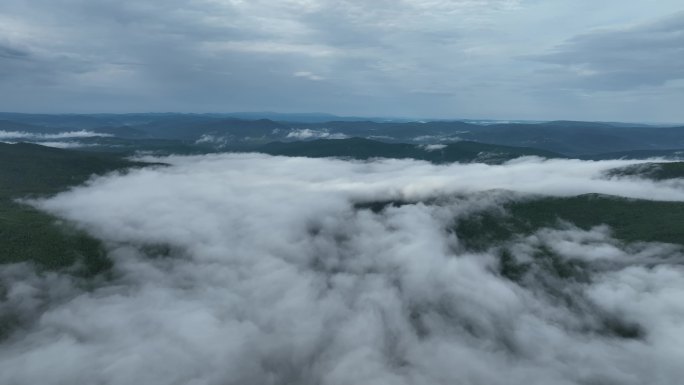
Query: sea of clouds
{"type": "Point", "coordinates": [252, 269]}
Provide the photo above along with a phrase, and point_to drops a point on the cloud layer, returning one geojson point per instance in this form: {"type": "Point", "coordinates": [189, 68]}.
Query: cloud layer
{"type": "Point", "coordinates": [623, 58]}
{"type": "Point", "coordinates": [19, 135]}
{"type": "Point", "coordinates": [250, 269]}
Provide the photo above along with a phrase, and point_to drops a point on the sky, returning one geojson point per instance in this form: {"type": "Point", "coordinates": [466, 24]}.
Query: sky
{"type": "Point", "coordinates": [481, 59]}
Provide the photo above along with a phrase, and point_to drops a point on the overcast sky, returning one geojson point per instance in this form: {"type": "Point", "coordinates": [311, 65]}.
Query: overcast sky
{"type": "Point", "coordinates": [498, 59]}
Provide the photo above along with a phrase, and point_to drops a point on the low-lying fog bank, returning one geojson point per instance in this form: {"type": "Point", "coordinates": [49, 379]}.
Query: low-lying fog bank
{"type": "Point", "coordinates": [251, 269]}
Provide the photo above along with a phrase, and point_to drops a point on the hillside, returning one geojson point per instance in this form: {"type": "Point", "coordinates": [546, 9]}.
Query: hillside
{"type": "Point", "coordinates": [601, 140]}
{"type": "Point", "coordinates": [653, 171]}
{"type": "Point", "coordinates": [359, 148]}
{"type": "Point", "coordinates": [26, 234]}
{"type": "Point", "coordinates": [630, 220]}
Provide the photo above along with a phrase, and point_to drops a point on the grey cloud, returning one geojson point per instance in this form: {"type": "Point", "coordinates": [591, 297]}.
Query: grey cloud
{"type": "Point", "coordinates": [10, 52]}
{"type": "Point", "coordinates": [225, 55]}
{"type": "Point", "coordinates": [618, 59]}
{"type": "Point", "coordinates": [271, 276]}
{"type": "Point", "coordinates": [451, 58]}
{"type": "Point", "coordinates": [13, 60]}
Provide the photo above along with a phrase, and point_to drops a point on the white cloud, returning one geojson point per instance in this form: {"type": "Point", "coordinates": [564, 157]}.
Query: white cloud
{"type": "Point", "coordinates": [61, 135]}
{"type": "Point", "coordinates": [306, 133]}
{"type": "Point", "coordinates": [65, 144]}
{"type": "Point", "coordinates": [219, 141]}
{"type": "Point", "coordinates": [308, 75]}
{"type": "Point", "coordinates": [272, 276]}
{"type": "Point", "coordinates": [271, 48]}
{"type": "Point", "coordinates": [433, 147]}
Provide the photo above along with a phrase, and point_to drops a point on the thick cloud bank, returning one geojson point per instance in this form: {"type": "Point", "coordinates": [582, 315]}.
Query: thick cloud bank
{"type": "Point", "coordinates": [249, 269]}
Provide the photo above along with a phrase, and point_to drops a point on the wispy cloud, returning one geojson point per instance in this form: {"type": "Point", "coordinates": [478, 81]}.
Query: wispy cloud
{"type": "Point", "coordinates": [38, 136]}
{"type": "Point", "coordinates": [308, 75]}
{"type": "Point", "coordinates": [306, 133]}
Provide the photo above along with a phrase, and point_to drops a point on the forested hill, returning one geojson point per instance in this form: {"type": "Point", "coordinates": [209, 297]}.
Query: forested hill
{"type": "Point", "coordinates": [223, 131]}
{"type": "Point", "coordinates": [359, 148]}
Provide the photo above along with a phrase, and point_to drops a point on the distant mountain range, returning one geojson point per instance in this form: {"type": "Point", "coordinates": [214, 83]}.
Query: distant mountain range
{"type": "Point", "coordinates": [359, 148]}
{"type": "Point", "coordinates": [222, 132]}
